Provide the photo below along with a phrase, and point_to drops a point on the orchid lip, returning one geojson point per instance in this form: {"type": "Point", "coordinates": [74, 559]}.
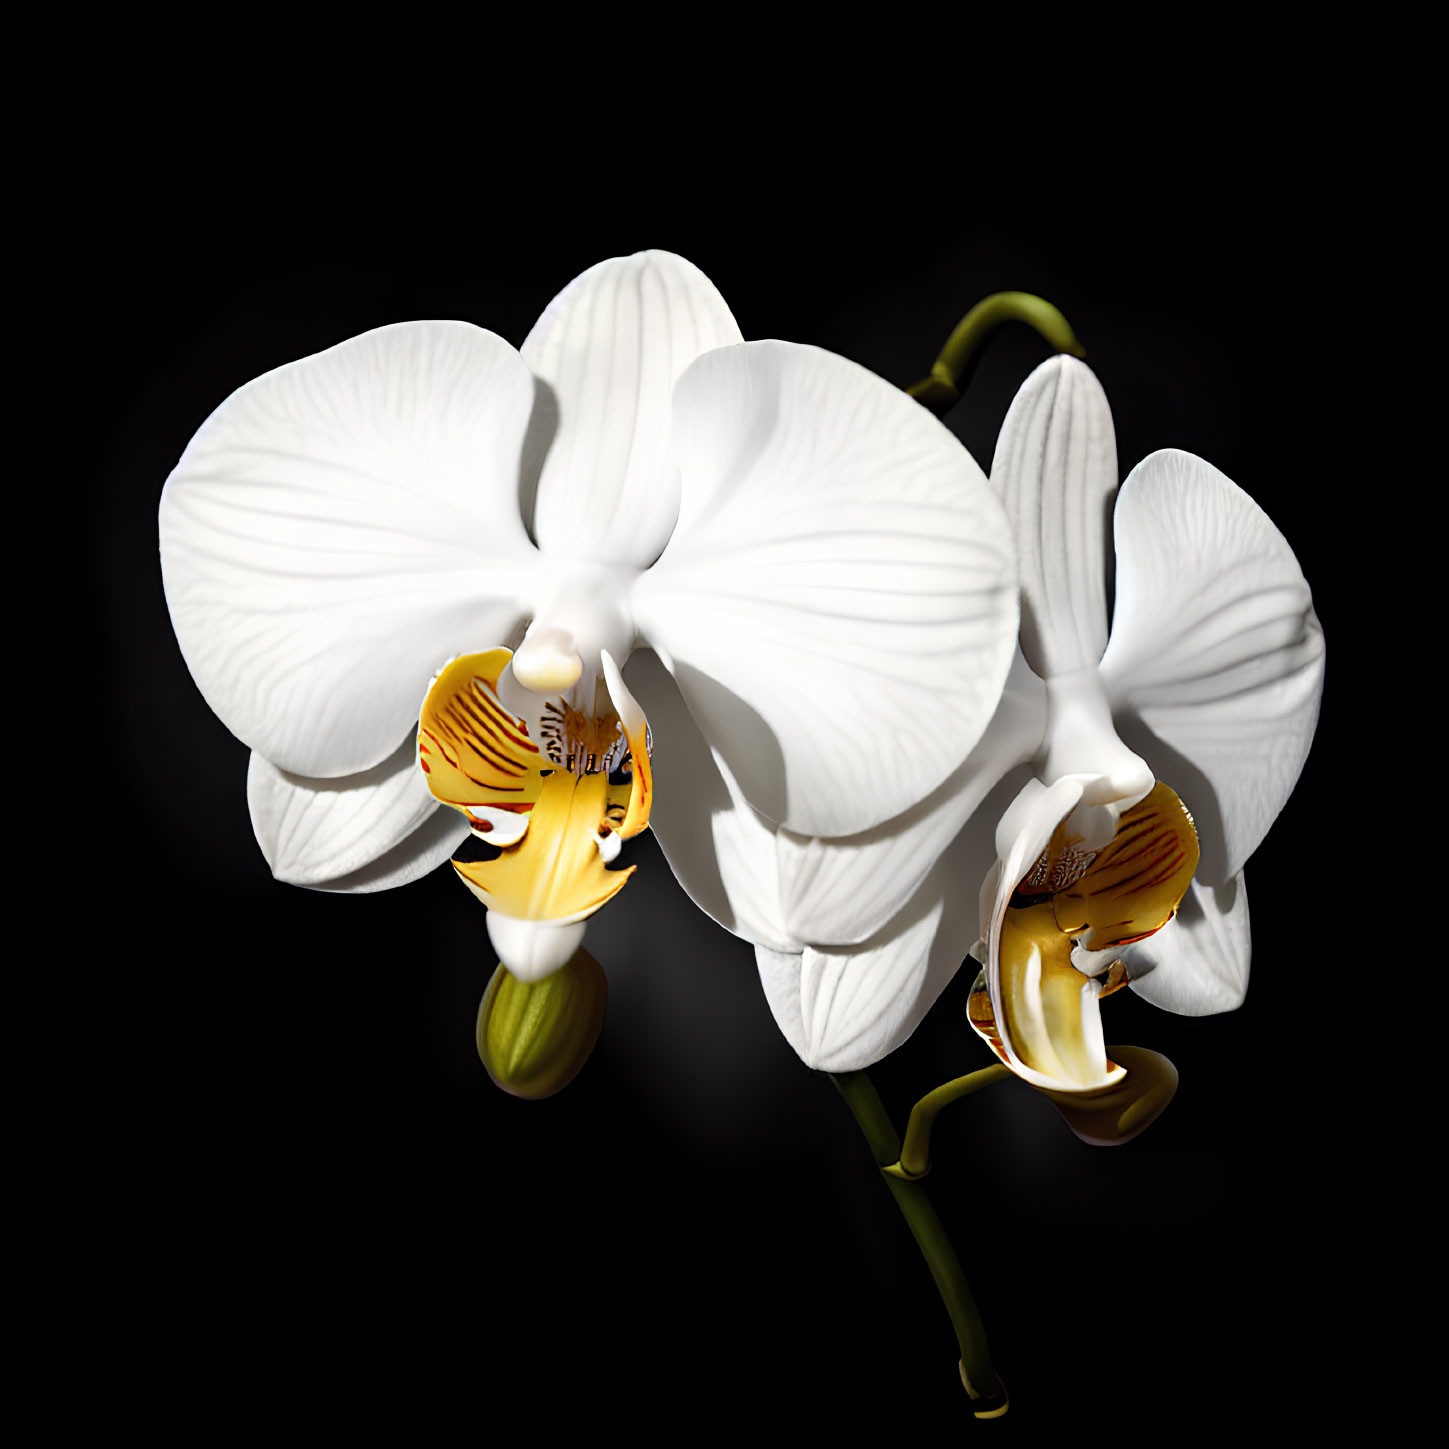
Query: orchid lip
{"type": "Point", "coordinates": [556, 814]}
{"type": "Point", "coordinates": [1065, 908]}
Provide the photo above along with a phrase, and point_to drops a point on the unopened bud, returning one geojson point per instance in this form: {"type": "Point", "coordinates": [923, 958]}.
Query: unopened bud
{"type": "Point", "coordinates": [535, 1036]}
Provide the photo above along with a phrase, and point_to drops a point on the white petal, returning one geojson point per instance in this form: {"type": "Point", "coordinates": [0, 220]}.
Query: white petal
{"type": "Point", "coordinates": [780, 977]}
{"type": "Point", "coordinates": [532, 950]}
{"type": "Point", "coordinates": [845, 1008]}
{"type": "Point", "coordinates": [609, 349]}
{"type": "Point", "coordinates": [841, 889]}
{"type": "Point", "coordinates": [1197, 964]}
{"type": "Point", "coordinates": [838, 602]}
{"type": "Point", "coordinates": [1215, 650]}
{"type": "Point", "coordinates": [720, 850]}
{"type": "Point", "coordinates": [364, 832]}
{"type": "Point", "coordinates": [1055, 470]}
{"type": "Point", "coordinates": [338, 528]}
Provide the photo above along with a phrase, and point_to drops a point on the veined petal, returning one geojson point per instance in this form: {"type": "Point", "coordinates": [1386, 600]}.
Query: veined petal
{"type": "Point", "coordinates": [609, 349]}
{"type": "Point", "coordinates": [843, 1008]}
{"type": "Point", "coordinates": [842, 889]}
{"type": "Point", "coordinates": [780, 976]}
{"type": "Point", "coordinates": [1197, 964]}
{"type": "Point", "coordinates": [838, 602]}
{"type": "Point", "coordinates": [364, 832]}
{"type": "Point", "coordinates": [1215, 651]}
{"type": "Point", "coordinates": [720, 849]}
{"type": "Point", "coordinates": [340, 526]}
{"type": "Point", "coordinates": [1055, 470]}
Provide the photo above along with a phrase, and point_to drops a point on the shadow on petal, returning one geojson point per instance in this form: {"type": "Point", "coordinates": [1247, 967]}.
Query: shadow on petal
{"type": "Point", "coordinates": [537, 440]}
{"type": "Point", "coordinates": [741, 735]}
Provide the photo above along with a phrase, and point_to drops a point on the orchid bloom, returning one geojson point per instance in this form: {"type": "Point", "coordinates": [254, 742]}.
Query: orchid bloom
{"type": "Point", "coordinates": [816, 562]}
{"type": "Point", "coordinates": [1214, 669]}
{"type": "Point", "coordinates": [1212, 673]}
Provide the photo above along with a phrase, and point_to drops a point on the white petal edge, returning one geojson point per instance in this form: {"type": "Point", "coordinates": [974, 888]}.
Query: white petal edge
{"type": "Point", "coordinates": [1215, 663]}
{"type": "Point", "coordinates": [366, 832]}
{"type": "Point", "coordinates": [338, 527]}
{"type": "Point", "coordinates": [1197, 964]}
{"type": "Point", "coordinates": [720, 849]}
{"type": "Point", "coordinates": [609, 349]}
{"type": "Point", "coordinates": [839, 890]}
{"type": "Point", "coordinates": [532, 950]}
{"type": "Point", "coordinates": [845, 1008]}
{"type": "Point", "coordinates": [838, 601]}
{"type": "Point", "coordinates": [1055, 470]}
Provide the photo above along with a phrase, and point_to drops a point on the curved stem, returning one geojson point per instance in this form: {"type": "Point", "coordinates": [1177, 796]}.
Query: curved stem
{"type": "Point", "coordinates": [916, 1149]}
{"type": "Point", "coordinates": [978, 1373]}
{"type": "Point", "coordinates": [952, 370]}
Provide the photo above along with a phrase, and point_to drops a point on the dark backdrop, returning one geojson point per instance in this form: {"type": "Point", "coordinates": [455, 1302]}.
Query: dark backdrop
{"type": "Point", "coordinates": [300, 1191]}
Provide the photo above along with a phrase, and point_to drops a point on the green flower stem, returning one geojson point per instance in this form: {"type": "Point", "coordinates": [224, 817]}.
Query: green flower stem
{"type": "Point", "coordinates": [952, 370]}
{"type": "Point", "coordinates": [978, 1373]}
{"type": "Point", "coordinates": [916, 1149]}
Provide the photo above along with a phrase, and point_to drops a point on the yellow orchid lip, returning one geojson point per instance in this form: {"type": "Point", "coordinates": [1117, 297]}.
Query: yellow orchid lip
{"type": "Point", "coordinates": [1045, 1024]}
{"type": "Point", "coordinates": [552, 809]}
{"type": "Point", "coordinates": [1139, 1085]}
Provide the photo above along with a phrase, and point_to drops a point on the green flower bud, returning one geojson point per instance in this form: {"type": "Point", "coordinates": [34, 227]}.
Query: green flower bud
{"type": "Point", "coordinates": [535, 1036]}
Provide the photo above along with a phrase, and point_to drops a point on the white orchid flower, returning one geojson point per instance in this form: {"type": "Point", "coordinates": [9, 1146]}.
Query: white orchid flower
{"type": "Point", "coordinates": [1214, 669]}
{"type": "Point", "coordinates": [1212, 673]}
{"type": "Point", "coordinates": [817, 562]}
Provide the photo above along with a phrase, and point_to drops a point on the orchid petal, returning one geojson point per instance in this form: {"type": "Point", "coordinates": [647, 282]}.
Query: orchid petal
{"type": "Point", "coordinates": [364, 832]}
{"type": "Point", "coordinates": [842, 889]}
{"type": "Point", "coordinates": [844, 1008]}
{"type": "Point", "coordinates": [609, 349]}
{"type": "Point", "coordinates": [1055, 470]}
{"type": "Point", "coordinates": [340, 526]}
{"type": "Point", "coordinates": [1197, 964]}
{"type": "Point", "coordinates": [1215, 651]}
{"type": "Point", "coordinates": [720, 849]}
{"type": "Point", "coordinates": [838, 601]}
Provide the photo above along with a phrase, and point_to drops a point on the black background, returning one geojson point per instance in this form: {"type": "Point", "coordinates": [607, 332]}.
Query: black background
{"type": "Point", "coordinates": [297, 1191]}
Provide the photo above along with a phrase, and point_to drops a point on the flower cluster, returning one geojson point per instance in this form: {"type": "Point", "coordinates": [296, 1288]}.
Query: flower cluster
{"type": "Point", "coordinates": [641, 573]}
